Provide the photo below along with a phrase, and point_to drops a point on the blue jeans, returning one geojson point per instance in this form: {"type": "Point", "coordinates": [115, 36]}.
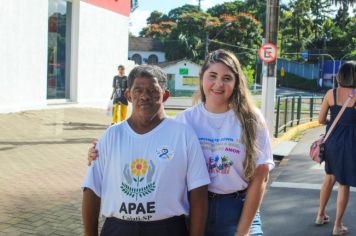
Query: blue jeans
{"type": "Point", "coordinates": [224, 215]}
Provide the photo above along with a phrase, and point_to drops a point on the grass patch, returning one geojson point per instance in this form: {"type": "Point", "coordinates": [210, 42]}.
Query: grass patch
{"type": "Point", "coordinates": [172, 113]}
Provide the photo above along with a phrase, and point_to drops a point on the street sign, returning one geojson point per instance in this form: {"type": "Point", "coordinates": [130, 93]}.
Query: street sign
{"type": "Point", "coordinates": [305, 54]}
{"type": "Point", "coordinates": [183, 71]}
{"type": "Point", "coordinates": [267, 52]}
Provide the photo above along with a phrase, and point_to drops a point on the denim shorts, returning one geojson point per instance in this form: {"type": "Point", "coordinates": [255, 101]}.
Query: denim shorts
{"type": "Point", "coordinates": [224, 215]}
{"type": "Point", "coordinates": [174, 226]}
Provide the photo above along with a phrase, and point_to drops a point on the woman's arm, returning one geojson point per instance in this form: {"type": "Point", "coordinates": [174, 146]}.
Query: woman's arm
{"type": "Point", "coordinates": [325, 107]}
{"type": "Point", "coordinates": [253, 199]}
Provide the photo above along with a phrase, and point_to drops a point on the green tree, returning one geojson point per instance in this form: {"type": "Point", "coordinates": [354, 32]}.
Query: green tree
{"type": "Point", "coordinates": [340, 40]}
{"type": "Point", "coordinates": [342, 2]}
{"type": "Point", "coordinates": [228, 8]}
{"type": "Point", "coordinates": [243, 37]}
{"type": "Point", "coordinates": [320, 10]}
{"type": "Point", "coordinates": [155, 17]}
{"type": "Point", "coordinates": [295, 28]}
{"type": "Point", "coordinates": [190, 31]}
{"type": "Point", "coordinates": [175, 13]}
{"type": "Point", "coordinates": [258, 9]}
{"type": "Point", "coordinates": [342, 17]}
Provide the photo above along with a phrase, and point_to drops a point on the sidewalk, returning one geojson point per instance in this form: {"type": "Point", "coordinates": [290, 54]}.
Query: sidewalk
{"type": "Point", "coordinates": [43, 162]}
{"type": "Point", "coordinates": [292, 200]}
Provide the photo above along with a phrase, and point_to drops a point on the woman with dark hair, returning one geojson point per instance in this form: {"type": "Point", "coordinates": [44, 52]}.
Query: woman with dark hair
{"type": "Point", "coordinates": [340, 148]}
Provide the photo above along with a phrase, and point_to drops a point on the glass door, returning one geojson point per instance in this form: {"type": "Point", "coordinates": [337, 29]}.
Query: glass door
{"type": "Point", "coordinates": [58, 66]}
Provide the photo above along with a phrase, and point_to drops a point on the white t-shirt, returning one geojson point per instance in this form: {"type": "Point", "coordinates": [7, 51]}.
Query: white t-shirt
{"type": "Point", "coordinates": [220, 137]}
{"type": "Point", "coordinates": [145, 177]}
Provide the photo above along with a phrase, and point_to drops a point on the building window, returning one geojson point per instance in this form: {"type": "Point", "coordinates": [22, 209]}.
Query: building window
{"type": "Point", "coordinates": [152, 59]}
{"type": "Point", "coordinates": [171, 76]}
{"type": "Point", "coordinates": [59, 27]}
{"type": "Point", "coordinates": [191, 80]}
{"type": "Point", "coordinates": [137, 59]}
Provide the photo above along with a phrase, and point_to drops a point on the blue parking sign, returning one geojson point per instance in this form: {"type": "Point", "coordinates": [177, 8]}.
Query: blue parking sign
{"type": "Point", "coordinates": [305, 54]}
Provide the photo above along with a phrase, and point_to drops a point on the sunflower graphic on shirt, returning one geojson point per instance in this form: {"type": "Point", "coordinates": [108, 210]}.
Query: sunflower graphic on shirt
{"type": "Point", "coordinates": [134, 175]}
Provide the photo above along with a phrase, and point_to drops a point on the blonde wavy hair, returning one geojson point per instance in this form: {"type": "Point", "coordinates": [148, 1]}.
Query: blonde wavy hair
{"type": "Point", "coordinates": [242, 104]}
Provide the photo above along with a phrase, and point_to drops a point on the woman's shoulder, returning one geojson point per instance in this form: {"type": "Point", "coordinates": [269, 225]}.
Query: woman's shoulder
{"type": "Point", "coordinates": [191, 110]}
{"type": "Point", "coordinates": [329, 96]}
{"type": "Point", "coordinates": [329, 93]}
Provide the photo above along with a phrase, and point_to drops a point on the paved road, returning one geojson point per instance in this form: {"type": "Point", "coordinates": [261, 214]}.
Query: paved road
{"type": "Point", "coordinates": [43, 162]}
{"type": "Point", "coordinates": [291, 202]}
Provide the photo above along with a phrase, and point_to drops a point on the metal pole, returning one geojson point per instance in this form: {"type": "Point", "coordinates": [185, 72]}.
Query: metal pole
{"type": "Point", "coordinates": [269, 78]}
{"type": "Point", "coordinates": [285, 113]}
{"type": "Point", "coordinates": [299, 109]}
{"type": "Point", "coordinates": [333, 72]}
{"type": "Point", "coordinates": [206, 44]}
{"type": "Point", "coordinates": [254, 84]}
{"type": "Point", "coordinates": [277, 116]}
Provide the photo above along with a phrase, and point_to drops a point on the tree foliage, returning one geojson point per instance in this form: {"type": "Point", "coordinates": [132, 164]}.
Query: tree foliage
{"type": "Point", "coordinates": [309, 25]}
{"type": "Point", "coordinates": [238, 26]}
{"type": "Point", "coordinates": [184, 31]}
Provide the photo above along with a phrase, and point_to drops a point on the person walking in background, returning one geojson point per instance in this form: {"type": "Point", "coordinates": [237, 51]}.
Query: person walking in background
{"type": "Point", "coordinates": [151, 171]}
{"type": "Point", "coordinates": [340, 148]}
{"type": "Point", "coordinates": [118, 96]}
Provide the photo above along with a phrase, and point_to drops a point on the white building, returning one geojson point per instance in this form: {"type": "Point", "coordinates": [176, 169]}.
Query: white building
{"type": "Point", "coordinates": [146, 51]}
{"type": "Point", "coordinates": [183, 76]}
{"type": "Point", "coordinates": [60, 51]}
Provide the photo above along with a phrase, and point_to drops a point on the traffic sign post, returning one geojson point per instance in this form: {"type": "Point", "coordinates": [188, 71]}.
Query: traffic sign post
{"type": "Point", "coordinates": [305, 55]}
{"type": "Point", "coordinates": [267, 52]}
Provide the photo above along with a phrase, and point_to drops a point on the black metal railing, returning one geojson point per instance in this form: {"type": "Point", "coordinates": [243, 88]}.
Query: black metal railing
{"type": "Point", "coordinates": [295, 110]}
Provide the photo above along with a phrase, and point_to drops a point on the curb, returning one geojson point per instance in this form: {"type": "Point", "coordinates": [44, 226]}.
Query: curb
{"type": "Point", "coordinates": [293, 131]}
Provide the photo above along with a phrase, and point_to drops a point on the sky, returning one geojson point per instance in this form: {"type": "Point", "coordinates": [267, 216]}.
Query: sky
{"type": "Point", "coordinates": [145, 7]}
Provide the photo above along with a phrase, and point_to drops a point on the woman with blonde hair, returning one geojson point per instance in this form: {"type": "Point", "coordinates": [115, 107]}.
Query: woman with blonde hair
{"type": "Point", "coordinates": [236, 146]}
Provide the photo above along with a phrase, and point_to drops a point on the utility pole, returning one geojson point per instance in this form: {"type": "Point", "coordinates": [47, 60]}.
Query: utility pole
{"type": "Point", "coordinates": [199, 5]}
{"type": "Point", "coordinates": [269, 69]}
{"type": "Point", "coordinates": [206, 44]}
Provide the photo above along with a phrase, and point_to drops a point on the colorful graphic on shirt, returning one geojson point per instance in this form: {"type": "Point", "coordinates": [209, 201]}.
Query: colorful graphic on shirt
{"type": "Point", "coordinates": [139, 167]}
{"type": "Point", "coordinates": [220, 152]}
{"type": "Point", "coordinates": [135, 174]}
{"type": "Point", "coordinates": [165, 153]}
{"type": "Point", "coordinates": [219, 164]}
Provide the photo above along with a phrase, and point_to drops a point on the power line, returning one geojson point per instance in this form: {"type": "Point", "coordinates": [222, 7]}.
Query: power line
{"type": "Point", "coordinates": [232, 45]}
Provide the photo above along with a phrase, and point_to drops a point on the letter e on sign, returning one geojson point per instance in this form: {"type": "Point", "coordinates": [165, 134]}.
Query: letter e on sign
{"type": "Point", "coordinates": [267, 52]}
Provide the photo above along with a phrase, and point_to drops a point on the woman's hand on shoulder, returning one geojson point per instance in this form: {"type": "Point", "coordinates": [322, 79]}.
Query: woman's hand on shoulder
{"type": "Point", "coordinates": [92, 153]}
